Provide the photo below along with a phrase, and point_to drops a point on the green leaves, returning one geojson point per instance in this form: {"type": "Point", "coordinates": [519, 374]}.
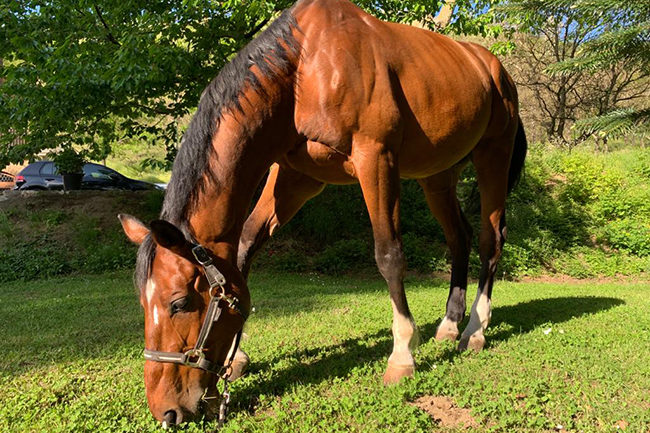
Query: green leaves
{"type": "Point", "coordinates": [606, 36]}
{"type": "Point", "coordinates": [88, 74]}
{"type": "Point", "coordinates": [617, 122]}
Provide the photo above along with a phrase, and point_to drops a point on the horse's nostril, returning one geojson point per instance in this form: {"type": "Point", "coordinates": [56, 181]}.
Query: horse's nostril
{"type": "Point", "coordinates": [169, 419]}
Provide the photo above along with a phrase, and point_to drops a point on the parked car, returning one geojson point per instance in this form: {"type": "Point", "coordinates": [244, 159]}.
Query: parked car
{"type": "Point", "coordinates": [43, 175]}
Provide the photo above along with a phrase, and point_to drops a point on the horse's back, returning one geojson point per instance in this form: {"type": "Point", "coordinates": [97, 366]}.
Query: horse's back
{"type": "Point", "coordinates": [428, 96]}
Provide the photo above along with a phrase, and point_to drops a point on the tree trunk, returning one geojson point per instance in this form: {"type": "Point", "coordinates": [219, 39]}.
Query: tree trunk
{"type": "Point", "coordinates": [441, 20]}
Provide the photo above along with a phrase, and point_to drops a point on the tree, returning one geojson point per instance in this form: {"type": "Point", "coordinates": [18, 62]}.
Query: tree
{"type": "Point", "coordinates": [554, 38]}
{"type": "Point", "coordinates": [626, 43]}
{"type": "Point", "coordinates": [87, 74]}
{"type": "Point", "coordinates": [587, 58]}
{"type": "Point", "coordinates": [84, 74]}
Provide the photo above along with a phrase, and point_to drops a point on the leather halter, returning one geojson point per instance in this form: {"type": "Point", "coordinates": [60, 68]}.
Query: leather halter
{"type": "Point", "coordinates": [195, 357]}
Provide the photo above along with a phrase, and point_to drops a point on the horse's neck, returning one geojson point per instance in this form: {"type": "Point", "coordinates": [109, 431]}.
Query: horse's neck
{"type": "Point", "coordinates": [245, 145]}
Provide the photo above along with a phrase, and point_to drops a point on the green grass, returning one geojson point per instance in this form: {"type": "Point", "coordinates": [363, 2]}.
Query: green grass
{"type": "Point", "coordinates": [135, 171]}
{"type": "Point", "coordinates": [71, 358]}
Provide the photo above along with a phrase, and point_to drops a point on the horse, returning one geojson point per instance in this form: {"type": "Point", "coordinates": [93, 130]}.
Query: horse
{"type": "Point", "coordinates": [327, 94]}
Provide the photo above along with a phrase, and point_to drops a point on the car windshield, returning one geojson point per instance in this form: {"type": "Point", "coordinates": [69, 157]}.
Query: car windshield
{"type": "Point", "coordinates": [99, 172]}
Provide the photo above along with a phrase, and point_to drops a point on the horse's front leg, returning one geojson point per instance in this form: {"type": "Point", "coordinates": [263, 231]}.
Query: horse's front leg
{"type": "Point", "coordinates": [285, 192]}
{"type": "Point", "coordinates": [378, 175]}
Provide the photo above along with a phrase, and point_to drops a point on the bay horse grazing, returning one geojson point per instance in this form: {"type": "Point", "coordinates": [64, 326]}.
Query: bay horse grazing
{"type": "Point", "coordinates": [326, 94]}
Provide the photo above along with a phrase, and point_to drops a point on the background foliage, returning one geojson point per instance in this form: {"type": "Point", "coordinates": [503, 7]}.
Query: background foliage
{"type": "Point", "coordinates": [92, 74]}
{"type": "Point", "coordinates": [584, 214]}
{"type": "Point", "coordinates": [586, 62]}
{"type": "Point", "coordinates": [120, 79]}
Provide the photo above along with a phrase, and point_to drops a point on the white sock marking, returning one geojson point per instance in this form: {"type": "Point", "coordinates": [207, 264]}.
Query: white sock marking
{"type": "Point", "coordinates": [448, 325]}
{"type": "Point", "coordinates": [403, 336]}
{"type": "Point", "coordinates": [480, 316]}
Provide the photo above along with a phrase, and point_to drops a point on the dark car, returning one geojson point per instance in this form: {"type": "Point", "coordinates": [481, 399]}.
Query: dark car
{"type": "Point", "coordinates": [44, 175]}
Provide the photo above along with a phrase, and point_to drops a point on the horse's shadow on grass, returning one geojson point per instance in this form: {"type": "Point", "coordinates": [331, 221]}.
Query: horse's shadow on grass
{"type": "Point", "coordinates": [339, 360]}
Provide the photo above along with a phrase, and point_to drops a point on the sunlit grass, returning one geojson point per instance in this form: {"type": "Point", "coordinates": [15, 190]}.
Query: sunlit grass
{"type": "Point", "coordinates": [573, 355]}
{"type": "Point", "coordinates": [135, 171]}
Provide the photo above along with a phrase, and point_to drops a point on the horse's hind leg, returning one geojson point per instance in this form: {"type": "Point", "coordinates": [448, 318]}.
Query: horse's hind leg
{"type": "Point", "coordinates": [491, 158]}
{"type": "Point", "coordinates": [440, 192]}
{"type": "Point", "coordinates": [378, 175]}
{"type": "Point", "coordinates": [285, 192]}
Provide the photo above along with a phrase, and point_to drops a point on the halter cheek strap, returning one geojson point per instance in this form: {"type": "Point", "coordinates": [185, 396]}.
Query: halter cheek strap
{"type": "Point", "coordinates": [195, 357]}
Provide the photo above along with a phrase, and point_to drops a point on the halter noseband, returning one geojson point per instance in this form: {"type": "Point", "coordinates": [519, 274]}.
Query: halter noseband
{"type": "Point", "coordinates": [195, 357]}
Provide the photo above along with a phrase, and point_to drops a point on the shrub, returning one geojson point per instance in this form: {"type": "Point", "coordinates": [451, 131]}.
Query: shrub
{"type": "Point", "coordinates": [343, 256]}
{"type": "Point", "coordinates": [69, 161]}
{"type": "Point", "coordinates": [516, 261]}
{"type": "Point", "coordinates": [586, 262]}
{"type": "Point", "coordinates": [425, 255]}
{"type": "Point", "coordinates": [581, 213]}
{"type": "Point", "coordinates": [5, 226]}
{"type": "Point", "coordinates": [285, 255]}
{"type": "Point", "coordinates": [629, 234]}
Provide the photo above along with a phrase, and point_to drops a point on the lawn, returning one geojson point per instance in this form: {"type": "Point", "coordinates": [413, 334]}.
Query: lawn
{"type": "Point", "coordinates": [560, 357]}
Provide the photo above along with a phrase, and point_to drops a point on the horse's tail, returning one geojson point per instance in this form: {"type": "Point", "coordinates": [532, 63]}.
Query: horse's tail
{"type": "Point", "coordinates": [518, 157]}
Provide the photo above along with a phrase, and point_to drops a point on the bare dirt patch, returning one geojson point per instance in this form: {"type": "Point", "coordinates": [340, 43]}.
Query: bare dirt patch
{"type": "Point", "coordinates": [445, 412]}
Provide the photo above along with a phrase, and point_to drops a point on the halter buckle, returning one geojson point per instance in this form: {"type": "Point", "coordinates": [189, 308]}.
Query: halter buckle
{"type": "Point", "coordinates": [201, 255]}
{"type": "Point", "coordinates": [193, 358]}
{"type": "Point", "coordinates": [223, 406]}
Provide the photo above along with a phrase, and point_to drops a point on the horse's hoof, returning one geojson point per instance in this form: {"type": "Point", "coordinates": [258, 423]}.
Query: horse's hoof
{"type": "Point", "coordinates": [447, 330]}
{"type": "Point", "coordinates": [396, 373]}
{"type": "Point", "coordinates": [238, 367]}
{"type": "Point", "coordinates": [474, 343]}
{"type": "Point", "coordinates": [446, 334]}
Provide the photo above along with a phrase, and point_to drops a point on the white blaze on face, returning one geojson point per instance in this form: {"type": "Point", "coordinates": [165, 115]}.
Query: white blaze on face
{"type": "Point", "coordinates": [155, 315]}
{"type": "Point", "coordinates": [149, 290]}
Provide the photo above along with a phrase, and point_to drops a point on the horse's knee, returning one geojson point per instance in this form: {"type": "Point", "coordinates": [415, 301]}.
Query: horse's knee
{"type": "Point", "coordinates": [243, 254]}
{"type": "Point", "coordinates": [390, 261]}
{"type": "Point", "coordinates": [491, 244]}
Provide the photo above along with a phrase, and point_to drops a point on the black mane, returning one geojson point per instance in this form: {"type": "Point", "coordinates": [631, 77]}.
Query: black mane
{"type": "Point", "coordinates": [272, 52]}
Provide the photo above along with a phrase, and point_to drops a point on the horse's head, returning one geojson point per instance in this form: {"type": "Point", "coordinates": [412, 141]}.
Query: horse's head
{"type": "Point", "coordinates": [182, 366]}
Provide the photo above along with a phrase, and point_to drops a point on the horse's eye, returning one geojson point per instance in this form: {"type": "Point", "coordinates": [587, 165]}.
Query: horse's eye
{"type": "Point", "coordinates": [178, 305]}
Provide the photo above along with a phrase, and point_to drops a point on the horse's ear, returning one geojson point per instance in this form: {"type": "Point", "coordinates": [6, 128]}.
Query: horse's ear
{"type": "Point", "coordinates": [167, 235]}
{"type": "Point", "coordinates": [133, 228]}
